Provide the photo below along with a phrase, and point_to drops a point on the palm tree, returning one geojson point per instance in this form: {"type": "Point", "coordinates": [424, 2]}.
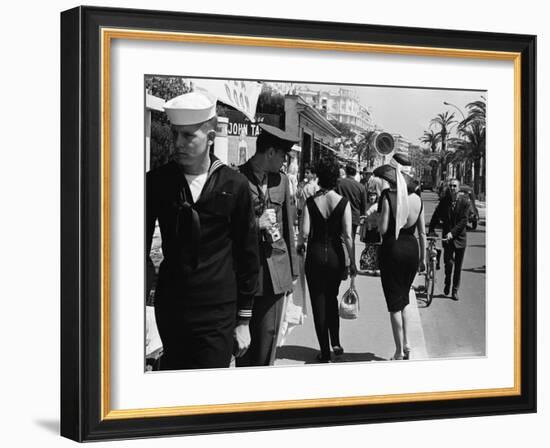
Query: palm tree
{"type": "Point", "coordinates": [431, 138]}
{"type": "Point", "coordinates": [477, 112]}
{"type": "Point", "coordinates": [471, 146]}
{"type": "Point", "coordinates": [444, 121]}
{"type": "Point", "coordinates": [365, 151]}
{"type": "Point", "coordinates": [471, 142]}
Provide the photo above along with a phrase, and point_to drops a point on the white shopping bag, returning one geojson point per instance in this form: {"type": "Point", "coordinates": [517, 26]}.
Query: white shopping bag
{"type": "Point", "coordinates": [152, 338]}
{"type": "Point", "coordinates": [293, 315]}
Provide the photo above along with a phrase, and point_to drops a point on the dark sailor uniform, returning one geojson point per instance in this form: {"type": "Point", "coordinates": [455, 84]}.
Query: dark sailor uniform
{"type": "Point", "coordinates": [208, 277]}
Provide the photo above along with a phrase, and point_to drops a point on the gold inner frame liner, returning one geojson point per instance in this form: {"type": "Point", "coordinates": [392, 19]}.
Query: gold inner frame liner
{"type": "Point", "coordinates": [107, 35]}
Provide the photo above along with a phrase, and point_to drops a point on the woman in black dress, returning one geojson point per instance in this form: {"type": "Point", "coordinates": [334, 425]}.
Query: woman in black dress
{"type": "Point", "coordinates": [401, 213]}
{"type": "Point", "coordinates": [326, 223]}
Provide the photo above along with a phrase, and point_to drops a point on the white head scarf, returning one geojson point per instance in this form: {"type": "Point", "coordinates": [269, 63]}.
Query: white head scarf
{"type": "Point", "coordinates": [402, 206]}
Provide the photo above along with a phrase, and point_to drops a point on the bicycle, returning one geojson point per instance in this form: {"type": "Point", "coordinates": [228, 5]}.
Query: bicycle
{"type": "Point", "coordinates": [433, 255]}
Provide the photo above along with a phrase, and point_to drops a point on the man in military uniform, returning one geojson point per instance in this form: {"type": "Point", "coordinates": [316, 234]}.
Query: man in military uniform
{"type": "Point", "coordinates": [452, 213]}
{"type": "Point", "coordinates": [208, 278]}
{"type": "Point", "coordinates": [269, 190]}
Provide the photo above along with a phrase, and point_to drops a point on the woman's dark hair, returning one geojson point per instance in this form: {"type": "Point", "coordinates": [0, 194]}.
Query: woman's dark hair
{"type": "Point", "coordinates": [351, 169]}
{"type": "Point", "coordinates": [328, 172]}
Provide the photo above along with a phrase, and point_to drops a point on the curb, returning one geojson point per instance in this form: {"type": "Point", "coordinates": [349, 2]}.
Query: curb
{"type": "Point", "coordinates": [417, 340]}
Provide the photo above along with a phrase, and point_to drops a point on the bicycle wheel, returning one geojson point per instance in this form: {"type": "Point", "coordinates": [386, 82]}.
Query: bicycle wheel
{"type": "Point", "coordinates": [427, 285]}
{"type": "Point", "coordinates": [430, 282]}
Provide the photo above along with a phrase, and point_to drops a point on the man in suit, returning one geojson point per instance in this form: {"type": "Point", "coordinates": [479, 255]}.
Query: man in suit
{"type": "Point", "coordinates": [208, 278]}
{"type": "Point", "coordinates": [356, 194]}
{"type": "Point", "coordinates": [452, 213]}
{"type": "Point", "coordinates": [365, 176]}
{"type": "Point", "coordinates": [270, 193]}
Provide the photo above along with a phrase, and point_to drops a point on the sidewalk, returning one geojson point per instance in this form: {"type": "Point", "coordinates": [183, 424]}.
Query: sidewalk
{"type": "Point", "coordinates": [368, 338]}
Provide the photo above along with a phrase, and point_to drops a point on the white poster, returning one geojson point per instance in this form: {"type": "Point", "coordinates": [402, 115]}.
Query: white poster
{"type": "Point", "coordinates": [242, 95]}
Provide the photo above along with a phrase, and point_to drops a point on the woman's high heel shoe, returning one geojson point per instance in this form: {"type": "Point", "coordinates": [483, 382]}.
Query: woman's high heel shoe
{"type": "Point", "coordinates": [406, 353]}
{"type": "Point", "coordinates": [338, 350]}
{"type": "Point", "coordinates": [322, 359]}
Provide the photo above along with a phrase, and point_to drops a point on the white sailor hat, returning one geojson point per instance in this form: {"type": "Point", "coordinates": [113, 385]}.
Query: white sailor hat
{"type": "Point", "coordinates": [190, 108]}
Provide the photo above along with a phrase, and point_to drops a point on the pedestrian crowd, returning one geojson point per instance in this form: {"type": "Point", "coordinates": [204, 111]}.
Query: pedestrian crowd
{"type": "Point", "coordinates": [231, 253]}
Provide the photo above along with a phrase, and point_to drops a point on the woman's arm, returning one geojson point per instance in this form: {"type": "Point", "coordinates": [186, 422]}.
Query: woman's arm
{"type": "Point", "coordinates": [421, 228]}
{"type": "Point", "coordinates": [370, 210]}
{"type": "Point", "coordinates": [384, 217]}
{"type": "Point", "coordinates": [347, 238]}
{"type": "Point", "coordinates": [303, 234]}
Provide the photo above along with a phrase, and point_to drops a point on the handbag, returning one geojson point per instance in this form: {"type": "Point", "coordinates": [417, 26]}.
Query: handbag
{"type": "Point", "coordinates": [372, 237]}
{"type": "Point", "coordinates": [369, 233]}
{"type": "Point", "coordinates": [349, 305]}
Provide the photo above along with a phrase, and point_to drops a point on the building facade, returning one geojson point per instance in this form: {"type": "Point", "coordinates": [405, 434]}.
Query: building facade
{"type": "Point", "coordinates": [341, 105]}
{"type": "Point", "coordinates": [315, 132]}
{"type": "Point", "coordinates": [401, 143]}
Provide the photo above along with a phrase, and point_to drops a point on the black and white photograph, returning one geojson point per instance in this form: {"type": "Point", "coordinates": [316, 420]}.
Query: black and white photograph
{"type": "Point", "coordinates": [281, 224]}
{"type": "Point", "coordinates": [293, 223]}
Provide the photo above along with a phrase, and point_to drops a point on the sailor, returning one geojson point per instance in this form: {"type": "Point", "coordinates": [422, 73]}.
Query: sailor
{"type": "Point", "coordinates": [209, 274]}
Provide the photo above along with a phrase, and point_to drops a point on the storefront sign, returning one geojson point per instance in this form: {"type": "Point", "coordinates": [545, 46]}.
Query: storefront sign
{"type": "Point", "coordinates": [241, 125]}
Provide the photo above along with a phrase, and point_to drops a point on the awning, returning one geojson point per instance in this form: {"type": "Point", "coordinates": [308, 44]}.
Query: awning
{"type": "Point", "coordinates": [154, 103]}
{"type": "Point", "coordinates": [324, 145]}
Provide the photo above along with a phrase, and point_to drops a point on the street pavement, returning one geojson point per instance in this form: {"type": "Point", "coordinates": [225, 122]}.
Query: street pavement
{"type": "Point", "coordinates": [458, 329]}
{"type": "Point", "coordinates": [446, 328]}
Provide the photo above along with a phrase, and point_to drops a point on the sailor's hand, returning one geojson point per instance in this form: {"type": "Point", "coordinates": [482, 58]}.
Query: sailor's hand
{"type": "Point", "coordinates": [242, 339]}
{"type": "Point", "coordinates": [267, 219]}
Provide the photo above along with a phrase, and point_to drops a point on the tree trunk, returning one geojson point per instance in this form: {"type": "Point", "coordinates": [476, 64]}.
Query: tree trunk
{"type": "Point", "coordinates": [482, 175]}
{"type": "Point", "coordinates": [442, 169]}
{"type": "Point", "coordinates": [477, 182]}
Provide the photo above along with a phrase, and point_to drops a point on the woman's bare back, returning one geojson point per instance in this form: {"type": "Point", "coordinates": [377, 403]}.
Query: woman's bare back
{"type": "Point", "coordinates": [415, 207]}
{"type": "Point", "coordinates": [326, 202]}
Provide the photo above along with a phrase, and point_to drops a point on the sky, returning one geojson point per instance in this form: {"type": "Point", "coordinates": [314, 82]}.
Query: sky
{"type": "Point", "coordinates": [408, 111]}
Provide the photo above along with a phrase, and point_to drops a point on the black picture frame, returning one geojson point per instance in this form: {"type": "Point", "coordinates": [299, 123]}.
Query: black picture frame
{"type": "Point", "coordinates": [82, 407]}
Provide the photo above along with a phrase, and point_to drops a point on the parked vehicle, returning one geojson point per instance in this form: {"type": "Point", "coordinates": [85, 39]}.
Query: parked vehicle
{"type": "Point", "coordinates": [426, 182]}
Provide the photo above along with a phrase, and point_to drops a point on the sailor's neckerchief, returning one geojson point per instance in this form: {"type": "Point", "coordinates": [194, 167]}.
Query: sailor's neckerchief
{"type": "Point", "coordinates": [187, 213]}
